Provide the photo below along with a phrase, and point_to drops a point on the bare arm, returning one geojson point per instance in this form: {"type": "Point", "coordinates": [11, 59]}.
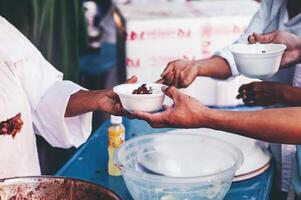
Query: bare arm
{"type": "Point", "coordinates": [104, 100]}
{"type": "Point", "coordinates": [281, 125]}
{"type": "Point", "coordinates": [215, 67]}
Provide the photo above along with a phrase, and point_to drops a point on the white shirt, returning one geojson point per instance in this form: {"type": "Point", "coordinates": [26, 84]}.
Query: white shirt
{"type": "Point", "coordinates": [33, 87]}
{"type": "Point", "coordinates": [273, 15]}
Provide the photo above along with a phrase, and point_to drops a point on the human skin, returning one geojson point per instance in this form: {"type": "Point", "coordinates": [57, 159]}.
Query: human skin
{"type": "Point", "coordinates": [278, 125]}
{"type": "Point", "coordinates": [181, 73]}
{"type": "Point", "coordinates": [99, 100]}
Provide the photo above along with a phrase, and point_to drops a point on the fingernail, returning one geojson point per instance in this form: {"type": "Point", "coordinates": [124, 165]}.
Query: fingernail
{"type": "Point", "coordinates": [163, 88]}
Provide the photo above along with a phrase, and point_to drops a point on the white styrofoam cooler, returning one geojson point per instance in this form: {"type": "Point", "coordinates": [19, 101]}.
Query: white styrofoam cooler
{"type": "Point", "coordinates": [156, 34]}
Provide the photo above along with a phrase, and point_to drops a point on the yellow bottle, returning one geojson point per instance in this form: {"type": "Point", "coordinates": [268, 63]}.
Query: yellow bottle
{"type": "Point", "coordinates": [116, 137]}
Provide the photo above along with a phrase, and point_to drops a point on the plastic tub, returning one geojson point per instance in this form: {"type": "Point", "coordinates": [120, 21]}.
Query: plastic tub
{"type": "Point", "coordinates": [178, 166]}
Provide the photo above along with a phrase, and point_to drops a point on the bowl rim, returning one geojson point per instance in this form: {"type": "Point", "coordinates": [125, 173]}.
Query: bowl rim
{"type": "Point", "coordinates": [158, 178]}
{"type": "Point", "coordinates": [17, 179]}
{"type": "Point", "coordinates": [281, 49]}
{"type": "Point", "coordinates": [143, 96]}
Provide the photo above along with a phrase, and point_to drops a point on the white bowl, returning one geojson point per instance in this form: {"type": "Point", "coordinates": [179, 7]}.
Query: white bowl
{"type": "Point", "coordinates": [257, 60]}
{"type": "Point", "coordinates": [140, 102]}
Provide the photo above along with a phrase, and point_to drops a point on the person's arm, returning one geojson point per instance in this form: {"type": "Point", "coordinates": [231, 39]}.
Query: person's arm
{"type": "Point", "coordinates": [98, 100]}
{"type": "Point", "coordinates": [279, 125]}
{"type": "Point", "coordinates": [181, 73]}
{"type": "Point", "coordinates": [269, 93]}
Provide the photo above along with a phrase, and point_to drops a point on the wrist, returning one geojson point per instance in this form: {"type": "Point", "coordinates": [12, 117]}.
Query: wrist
{"type": "Point", "coordinates": [100, 99]}
{"type": "Point", "coordinates": [210, 118]}
{"type": "Point", "coordinates": [215, 67]}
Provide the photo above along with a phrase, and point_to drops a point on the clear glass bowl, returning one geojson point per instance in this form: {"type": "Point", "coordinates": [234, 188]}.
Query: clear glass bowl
{"type": "Point", "coordinates": [178, 166]}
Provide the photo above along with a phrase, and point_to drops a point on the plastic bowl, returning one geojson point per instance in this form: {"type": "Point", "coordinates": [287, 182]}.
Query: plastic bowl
{"type": "Point", "coordinates": [257, 60]}
{"type": "Point", "coordinates": [140, 102]}
{"type": "Point", "coordinates": [178, 166]}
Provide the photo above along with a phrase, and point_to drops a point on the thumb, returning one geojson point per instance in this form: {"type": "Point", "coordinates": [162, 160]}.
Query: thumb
{"type": "Point", "coordinates": [133, 79]}
{"type": "Point", "coordinates": [171, 92]}
{"type": "Point", "coordinates": [265, 38]}
{"type": "Point", "coordinates": [161, 81]}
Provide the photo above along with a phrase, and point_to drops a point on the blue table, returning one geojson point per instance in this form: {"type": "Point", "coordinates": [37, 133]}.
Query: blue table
{"type": "Point", "coordinates": [90, 163]}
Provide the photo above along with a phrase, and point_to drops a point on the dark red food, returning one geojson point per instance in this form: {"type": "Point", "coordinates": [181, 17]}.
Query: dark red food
{"type": "Point", "coordinates": [143, 90]}
{"type": "Point", "coordinates": [11, 126]}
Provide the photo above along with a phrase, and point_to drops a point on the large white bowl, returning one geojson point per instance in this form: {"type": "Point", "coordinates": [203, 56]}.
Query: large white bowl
{"type": "Point", "coordinates": [178, 166]}
{"type": "Point", "coordinates": [257, 60]}
{"type": "Point", "coordinates": [140, 102]}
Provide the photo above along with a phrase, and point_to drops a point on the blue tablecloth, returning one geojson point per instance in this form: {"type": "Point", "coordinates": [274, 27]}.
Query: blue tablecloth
{"type": "Point", "coordinates": [90, 163]}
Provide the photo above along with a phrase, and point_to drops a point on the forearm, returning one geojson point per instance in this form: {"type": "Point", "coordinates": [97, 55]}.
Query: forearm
{"type": "Point", "coordinates": [215, 67]}
{"type": "Point", "coordinates": [281, 125]}
{"type": "Point", "coordinates": [82, 102]}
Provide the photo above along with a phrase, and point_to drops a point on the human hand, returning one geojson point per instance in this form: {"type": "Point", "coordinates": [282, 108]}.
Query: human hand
{"type": "Point", "coordinates": [110, 102]}
{"type": "Point", "coordinates": [262, 93]}
{"type": "Point", "coordinates": [179, 73]}
{"type": "Point", "coordinates": [292, 54]}
{"type": "Point", "coordinates": [186, 112]}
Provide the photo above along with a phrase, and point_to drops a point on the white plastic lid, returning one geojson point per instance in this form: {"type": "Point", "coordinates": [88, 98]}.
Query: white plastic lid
{"type": "Point", "coordinates": [116, 119]}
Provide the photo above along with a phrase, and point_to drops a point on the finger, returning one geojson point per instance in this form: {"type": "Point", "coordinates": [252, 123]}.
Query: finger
{"type": "Point", "coordinates": [161, 81]}
{"type": "Point", "coordinates": [166, 107]}
{"type": "Point", "coordinates": [157, 118]}
{"type": "Point", "coordinates": [251, 39]}
{"type": "Point", "coordinates": [265, 38]}
{"type": "Point", "coordinates": [186, 77]}
{"type": "Point", "coordinates": [239, 96]}
{"type": "Point", "coordinates": [169, 78]}
{"type": "Point", "coordinates": [169, 68]}
{"type": "Point", "coordinates": [128, 114]}
{"type": "Point", "coordinates": [176, 78]}
{"type": "Point", "coordinates": [243, 88]}
{"type": "Point", "coordinates": [171, 92]}
{"type": "Point", "coordinates": [133, 79]}
{"type": "Point", "coordinates": [158, 125]}
{"type": "Point", "coordinates": [249, 102]}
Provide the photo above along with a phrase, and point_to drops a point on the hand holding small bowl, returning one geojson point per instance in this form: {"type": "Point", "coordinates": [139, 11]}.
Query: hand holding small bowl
{"type": "Point", "coordinates": [145, 102]}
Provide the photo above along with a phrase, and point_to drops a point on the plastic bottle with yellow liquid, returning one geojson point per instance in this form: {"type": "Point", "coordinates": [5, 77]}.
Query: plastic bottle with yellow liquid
{"type": "Point", "coordinates": [116, 137]}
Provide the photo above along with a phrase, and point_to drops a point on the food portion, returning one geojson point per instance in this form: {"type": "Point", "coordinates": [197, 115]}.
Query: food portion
{"type": "Point", "coordinates": [11, 126]}
{"type": "Point", "coordinates": [143, 90]}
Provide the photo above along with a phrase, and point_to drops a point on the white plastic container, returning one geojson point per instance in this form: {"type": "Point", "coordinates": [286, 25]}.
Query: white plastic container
{"type": "Point", "coordinates": [140, 102]}
{"type": "Point", "coordinates": [198, 167]}
{"type": "Point", "coordinates": [257, 60]}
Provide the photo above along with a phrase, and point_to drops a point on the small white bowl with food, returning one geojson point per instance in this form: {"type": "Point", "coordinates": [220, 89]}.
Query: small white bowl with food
{"type": "Point", "coordinates": [146, 97]}
{"type": "Point", "coordinates": [257, 60]}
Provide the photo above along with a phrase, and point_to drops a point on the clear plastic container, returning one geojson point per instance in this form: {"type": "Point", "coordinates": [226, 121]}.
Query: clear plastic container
{"type": "Point", "coordinates": [178, 166]}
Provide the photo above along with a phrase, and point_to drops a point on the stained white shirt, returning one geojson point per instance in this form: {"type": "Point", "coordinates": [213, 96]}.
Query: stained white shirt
{"type": "Point", "coordinates": [33, 87]}
{"type": "Point", "coordinates": [273, 15]}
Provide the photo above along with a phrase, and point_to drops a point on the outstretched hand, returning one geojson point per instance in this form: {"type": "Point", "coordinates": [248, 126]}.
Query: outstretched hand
{"type": "Point", "coordinates": [186, 112]}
